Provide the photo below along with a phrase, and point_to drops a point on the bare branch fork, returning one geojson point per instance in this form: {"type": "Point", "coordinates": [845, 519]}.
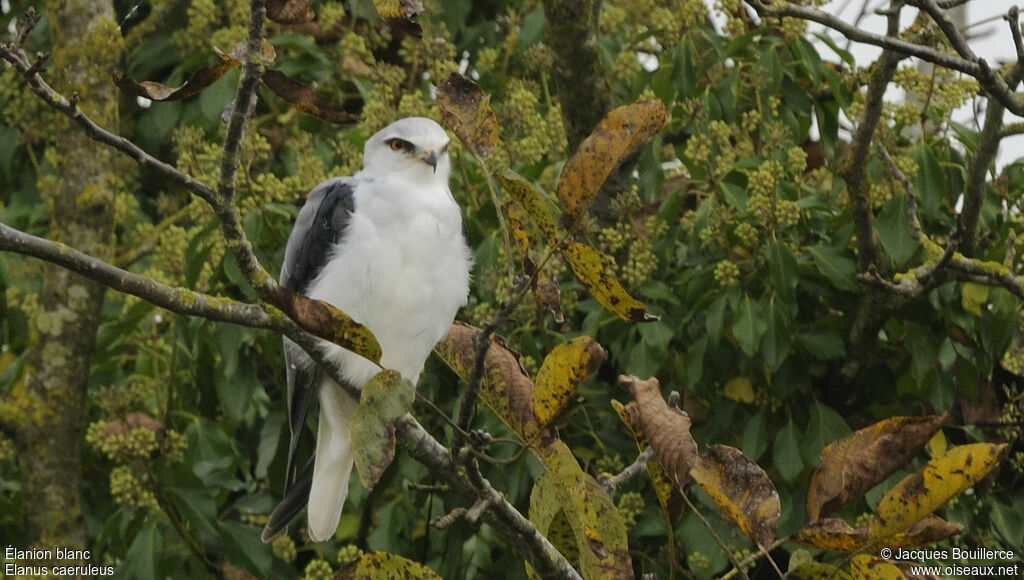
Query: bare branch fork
{"type": "Point", "coordinates": [965, 61]}
{"type": "Point", "coordinates": [486, 502]}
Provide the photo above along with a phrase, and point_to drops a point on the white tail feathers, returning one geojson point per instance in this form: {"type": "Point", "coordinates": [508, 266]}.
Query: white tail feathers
{"type": "Point", "coordinates": [334, 461]}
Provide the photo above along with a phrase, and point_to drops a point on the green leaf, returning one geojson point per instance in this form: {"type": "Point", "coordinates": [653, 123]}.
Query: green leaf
{"type": "Point", "coordinates": [894, 231]}
{"type": "Point", "coordinates": [243, 548]}
{"type": "Point", "coordinates": [929, 182]}
{"type": "Point", "coordinates": [749, 325]}
{"type": "Point", "coordinates": [143, 557]}
{"type": "Point", "coordinates": [385, 398]}
{"type": "Point", "coordinates": [824, 427]}
{"type": "Point", "coordinates": [786, 452]}
{"type": "Point", "coordinates": [532, 201]}
{"type": "Point", "coordinates": [597, 527]}
{"type": "Point", "coordinates": [778, 340]}
{"type": "Point", "coordinates": [822, 343]}
{"type": "Point", "coordinates": [836, 265]}
{"type": "Point", "coordinates": [782, 270]}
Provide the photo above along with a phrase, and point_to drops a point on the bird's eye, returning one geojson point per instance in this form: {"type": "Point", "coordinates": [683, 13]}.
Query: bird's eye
{"type": "Point", "coordinates": [400, 145]}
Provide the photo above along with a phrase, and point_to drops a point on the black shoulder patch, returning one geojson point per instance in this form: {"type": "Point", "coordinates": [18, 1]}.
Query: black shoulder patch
{"type": "Point", "coordinates": [321, 224]}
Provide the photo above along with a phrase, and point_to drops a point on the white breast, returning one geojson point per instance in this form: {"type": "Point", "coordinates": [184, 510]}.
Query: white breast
{"type": "Point", "coordinates": [402, 269]}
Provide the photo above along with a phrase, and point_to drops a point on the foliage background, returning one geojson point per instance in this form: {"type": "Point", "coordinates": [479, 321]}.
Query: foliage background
{"type": "Point", "coordinates": [736, 230]}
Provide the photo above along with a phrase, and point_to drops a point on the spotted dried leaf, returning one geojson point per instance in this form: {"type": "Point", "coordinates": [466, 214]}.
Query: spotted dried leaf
{"type": "Point", "coordinates": [741, 490]}
{"type": "Point", "coordinates": [597, 272]}
{"type": "Point", "coordinates": [505, 388]}
{"type": "Point", "coordinates": [466, 110]}
{"type": "Point", "coordinates": [614, 139]}
{"type": "Point", "coordinates": [924, 491]}
{"type": "Point", "coordinates": [598, 530]}
{"type": "Point", "coordinates": [874, 568]}
{"type": "Point", "coordinates": [385, 566]}
{"type": "Point", "coordinates": [305, 99]}
{"type": "Point", "coordinates": [385, 398]}
{"type": "Point", "coordinates": [563, 370]}
{"type": "Point", "coordinates": [856, 463]}
{"type": "Point", "coordinates": [400, 15]}
{"type": "Point", "coordinates": [289, 11]}
{"type": "Point", "coordinates": [326, 321]}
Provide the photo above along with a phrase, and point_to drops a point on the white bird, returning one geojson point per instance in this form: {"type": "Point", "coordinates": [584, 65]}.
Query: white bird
{"type": "Point", "coordinates": [386, 246]}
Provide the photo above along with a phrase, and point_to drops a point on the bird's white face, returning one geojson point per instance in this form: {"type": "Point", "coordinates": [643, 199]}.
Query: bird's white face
{"type": "Point", "coordinates": [416, 147]}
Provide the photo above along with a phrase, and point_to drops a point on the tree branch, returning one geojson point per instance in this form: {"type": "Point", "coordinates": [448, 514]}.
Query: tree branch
{"type": "Point", "coordinates": [501, 515]}
{"type": "Point", "coordinates": [978, 68]}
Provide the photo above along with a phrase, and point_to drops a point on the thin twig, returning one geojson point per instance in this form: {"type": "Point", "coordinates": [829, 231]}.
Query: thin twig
{"type": "Point", "coordinates": [612, 482]}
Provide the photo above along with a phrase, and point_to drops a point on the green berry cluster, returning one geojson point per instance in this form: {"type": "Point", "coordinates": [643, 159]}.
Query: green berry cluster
{"type": "Point", "coordinates": [128, 490]}
{"type": "Point", "coordinates": [727, 273]}
{"type": "Point", "coordinates": [318, 569]}
{"type": "Point", "coordinates": [7, 450]}
{"type": "Point", "coordinates": [698, 561]}
{"type": "Point", "coordinates": [283, 547]}
{"type": "Point", "coordinates": [610, 464]}
{"type": "Point", "coordinates": [348, 554]}
{"type": "Point", "coordinates": [631, 505]}
{"type": "Point", "coordinates": [747, 234]}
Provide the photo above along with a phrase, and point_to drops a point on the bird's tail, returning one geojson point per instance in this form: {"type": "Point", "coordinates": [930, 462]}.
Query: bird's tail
{"type": "Point", "coordinates": [334, 460]}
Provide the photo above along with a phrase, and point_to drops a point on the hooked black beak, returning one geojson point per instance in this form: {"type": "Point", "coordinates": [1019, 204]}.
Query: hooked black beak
{"type": "Point", "coordinates": [430, 159]}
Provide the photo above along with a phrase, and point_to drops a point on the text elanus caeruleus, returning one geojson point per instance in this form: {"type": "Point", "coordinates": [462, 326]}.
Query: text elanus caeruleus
{"type": "Point", "coordinates": [387, 247]}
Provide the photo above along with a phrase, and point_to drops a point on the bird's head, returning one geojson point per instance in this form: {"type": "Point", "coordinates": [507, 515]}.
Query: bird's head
{"type": "Point", "coordinates": [414, 146]}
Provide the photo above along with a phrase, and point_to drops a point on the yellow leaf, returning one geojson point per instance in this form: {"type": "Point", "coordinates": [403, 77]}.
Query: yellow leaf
{"type": "Point", "coordinates": [741, 490]}
{"type": "Point", "coordinates": [597, 272]}
{"type": "Point", "coordinates": [940, 480]}
{"type": "Point", "coordinates": [386, 397]}
{"type": "Point", "coordinates": [617, 136]}
{"type": "Point", "coordinates": [562, 371]}
{"type": "Point", "coordinates": [937, 445]}
{"type": "Point", "coordinates": [387, 566]}
{"type": "Point", "coordinates": [817, 571]}
{"type": "Point", "coordinates": [532, 201]}
{"type": "Point", "coordinates": [973, 297]}
{"type": "Point", "coordinates": [740, 389]}
{"type": "Point", "coordinates": [598, 529]}
{"type": "Point", "coordinates": [838, 536]}
{"type": "Point", "coordinates": [865, 567]}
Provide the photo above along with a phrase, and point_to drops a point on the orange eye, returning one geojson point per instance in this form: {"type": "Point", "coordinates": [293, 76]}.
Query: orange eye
{"type": "Point", "coordinates": [399, 145]}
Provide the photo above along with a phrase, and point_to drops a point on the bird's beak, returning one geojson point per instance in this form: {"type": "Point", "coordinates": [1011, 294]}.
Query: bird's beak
{"type": "Point", "coordinates": [430, 158]}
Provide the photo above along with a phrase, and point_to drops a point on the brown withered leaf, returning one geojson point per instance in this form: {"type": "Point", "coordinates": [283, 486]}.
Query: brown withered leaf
{"type": "Point", "coordinates": [134, 421]}
{"type": "Point", "coordinates": [669, 495]}
{"type": "Point", "coordinates": [289, 11]}
{"type": "Point", "coordinates": [305, 99]}
{"type": "Point", "coordinates": [667, 429]}
{"type": "Point", "coordinates": [741, 490]}
{"type": "Point", "coordinates": [856, 463]}
{"type": "Point", "coordinates": [838, 536]}
{"type": "Point", "coordinates": [506, 388]}
{"type": "Point", "coordinates": [466, 110]}
{"type": "Point", "coordinates": [329, 323]}
{"type": "Point", "coordinates": [196, 83]}
{"type": "Point", "coordinates": [617, 136]}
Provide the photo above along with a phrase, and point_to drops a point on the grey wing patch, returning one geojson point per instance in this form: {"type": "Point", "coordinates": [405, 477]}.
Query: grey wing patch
{"type": "Point", "coordinates": [320, 224]}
